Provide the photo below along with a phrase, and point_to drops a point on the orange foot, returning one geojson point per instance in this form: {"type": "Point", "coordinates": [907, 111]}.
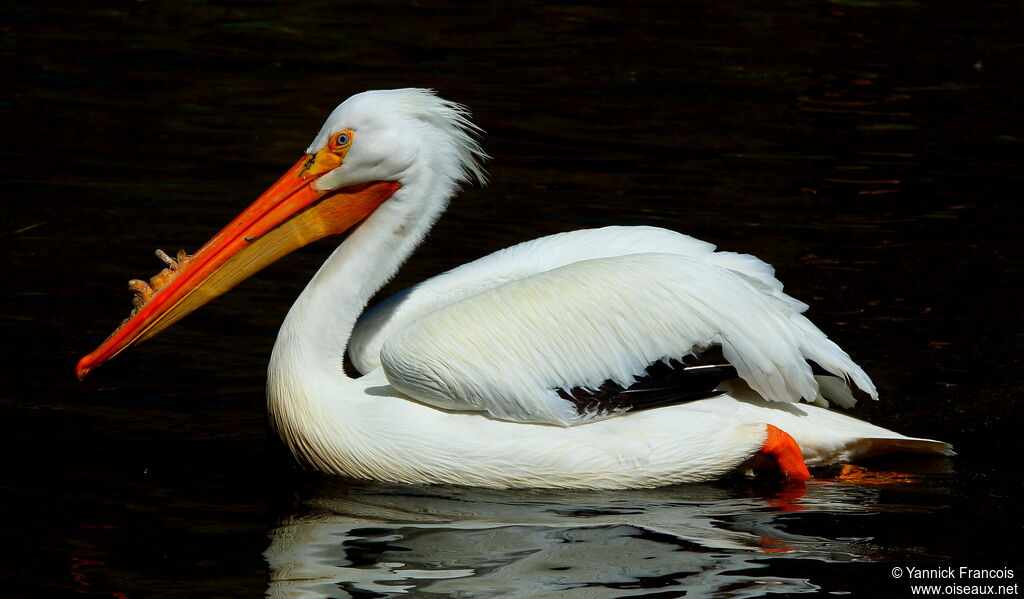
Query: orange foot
{"type": "Point", "coordinates": [782, 448]}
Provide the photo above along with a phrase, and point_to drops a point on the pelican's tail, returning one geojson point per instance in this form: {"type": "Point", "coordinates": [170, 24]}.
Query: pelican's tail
{"type": "Point", "coordinates": [825, 437]}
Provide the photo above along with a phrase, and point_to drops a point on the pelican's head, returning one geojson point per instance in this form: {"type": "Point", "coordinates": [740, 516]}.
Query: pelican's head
{"type": "Point", "coordinates": [389, 135]}
{"type": "Point", "coordinates": [372, 145]}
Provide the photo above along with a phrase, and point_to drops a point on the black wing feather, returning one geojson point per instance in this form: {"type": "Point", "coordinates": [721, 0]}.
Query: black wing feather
{"type": "Point", "coordinates": [690, 378]}
{"type": "Point", "coordinates": [677, 381]}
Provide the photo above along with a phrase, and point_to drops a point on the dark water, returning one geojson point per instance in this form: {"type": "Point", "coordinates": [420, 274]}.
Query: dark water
{"type": "Point", "coordinates": [870, 150]}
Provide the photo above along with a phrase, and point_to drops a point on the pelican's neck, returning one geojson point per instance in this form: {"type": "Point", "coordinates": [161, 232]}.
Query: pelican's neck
{"type": "Point", "coordinates": [311, 345]}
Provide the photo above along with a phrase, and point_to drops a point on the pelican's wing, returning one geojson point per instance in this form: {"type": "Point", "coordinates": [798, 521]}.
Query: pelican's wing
{"type": "Point", "coordinates": [518, 351]}
{"type": "Point", "coordinates": [530, 258]}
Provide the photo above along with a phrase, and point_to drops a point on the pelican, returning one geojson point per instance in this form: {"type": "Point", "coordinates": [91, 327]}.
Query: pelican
{"type": "Point", "coordinates": [608, 358]}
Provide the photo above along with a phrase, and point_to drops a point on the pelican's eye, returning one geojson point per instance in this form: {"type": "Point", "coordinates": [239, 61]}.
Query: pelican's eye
{"type": "Point", "coordinates": [341, 141]}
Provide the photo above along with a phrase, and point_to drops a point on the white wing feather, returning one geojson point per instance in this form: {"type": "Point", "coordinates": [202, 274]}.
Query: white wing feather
{"type": "Point", "coordinates": [532, 257]}
{"type": "Point", "coordinates": [505, 351]}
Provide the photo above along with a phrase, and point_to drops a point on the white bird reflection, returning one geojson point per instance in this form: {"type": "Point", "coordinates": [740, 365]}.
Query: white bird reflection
{"type": "Point", "coordinates": [372, 540]}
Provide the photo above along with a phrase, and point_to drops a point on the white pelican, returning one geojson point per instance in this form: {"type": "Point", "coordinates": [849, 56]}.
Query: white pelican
{"type": "Point", "coordinates": [584, 359]}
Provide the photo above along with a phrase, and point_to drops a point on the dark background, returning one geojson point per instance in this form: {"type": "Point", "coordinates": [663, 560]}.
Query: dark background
{"type": "Point", "coordinates": [870, 150]}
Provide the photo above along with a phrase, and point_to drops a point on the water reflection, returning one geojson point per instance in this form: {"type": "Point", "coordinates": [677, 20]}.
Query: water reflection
{"type": "Point", "coordinates": [376, 540]}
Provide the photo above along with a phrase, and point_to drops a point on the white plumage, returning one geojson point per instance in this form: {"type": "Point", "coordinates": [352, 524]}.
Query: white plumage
{"type": "Point", "coordinates": [466, 375]}
{"type": "Point", "coordinates": [505, 351]}
{"type": "Point", "coordinates": [460, 370]}
{"type": "Point", "coordinates": [532, 257]}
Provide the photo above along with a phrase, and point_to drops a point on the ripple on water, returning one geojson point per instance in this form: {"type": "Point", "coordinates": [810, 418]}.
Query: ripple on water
{"type": "Point", "coordinates": [699, 540]}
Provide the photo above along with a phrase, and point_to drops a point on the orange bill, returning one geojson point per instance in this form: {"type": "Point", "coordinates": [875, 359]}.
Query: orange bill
{"type": "Point", "coordinates": [289, 215]}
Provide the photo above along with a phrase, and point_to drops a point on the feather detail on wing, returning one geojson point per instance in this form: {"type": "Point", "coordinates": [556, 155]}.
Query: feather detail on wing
{"type": "Point", "coordinates": [536, 256]}
{"type": "Point", "coordinates": [507, 351]}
